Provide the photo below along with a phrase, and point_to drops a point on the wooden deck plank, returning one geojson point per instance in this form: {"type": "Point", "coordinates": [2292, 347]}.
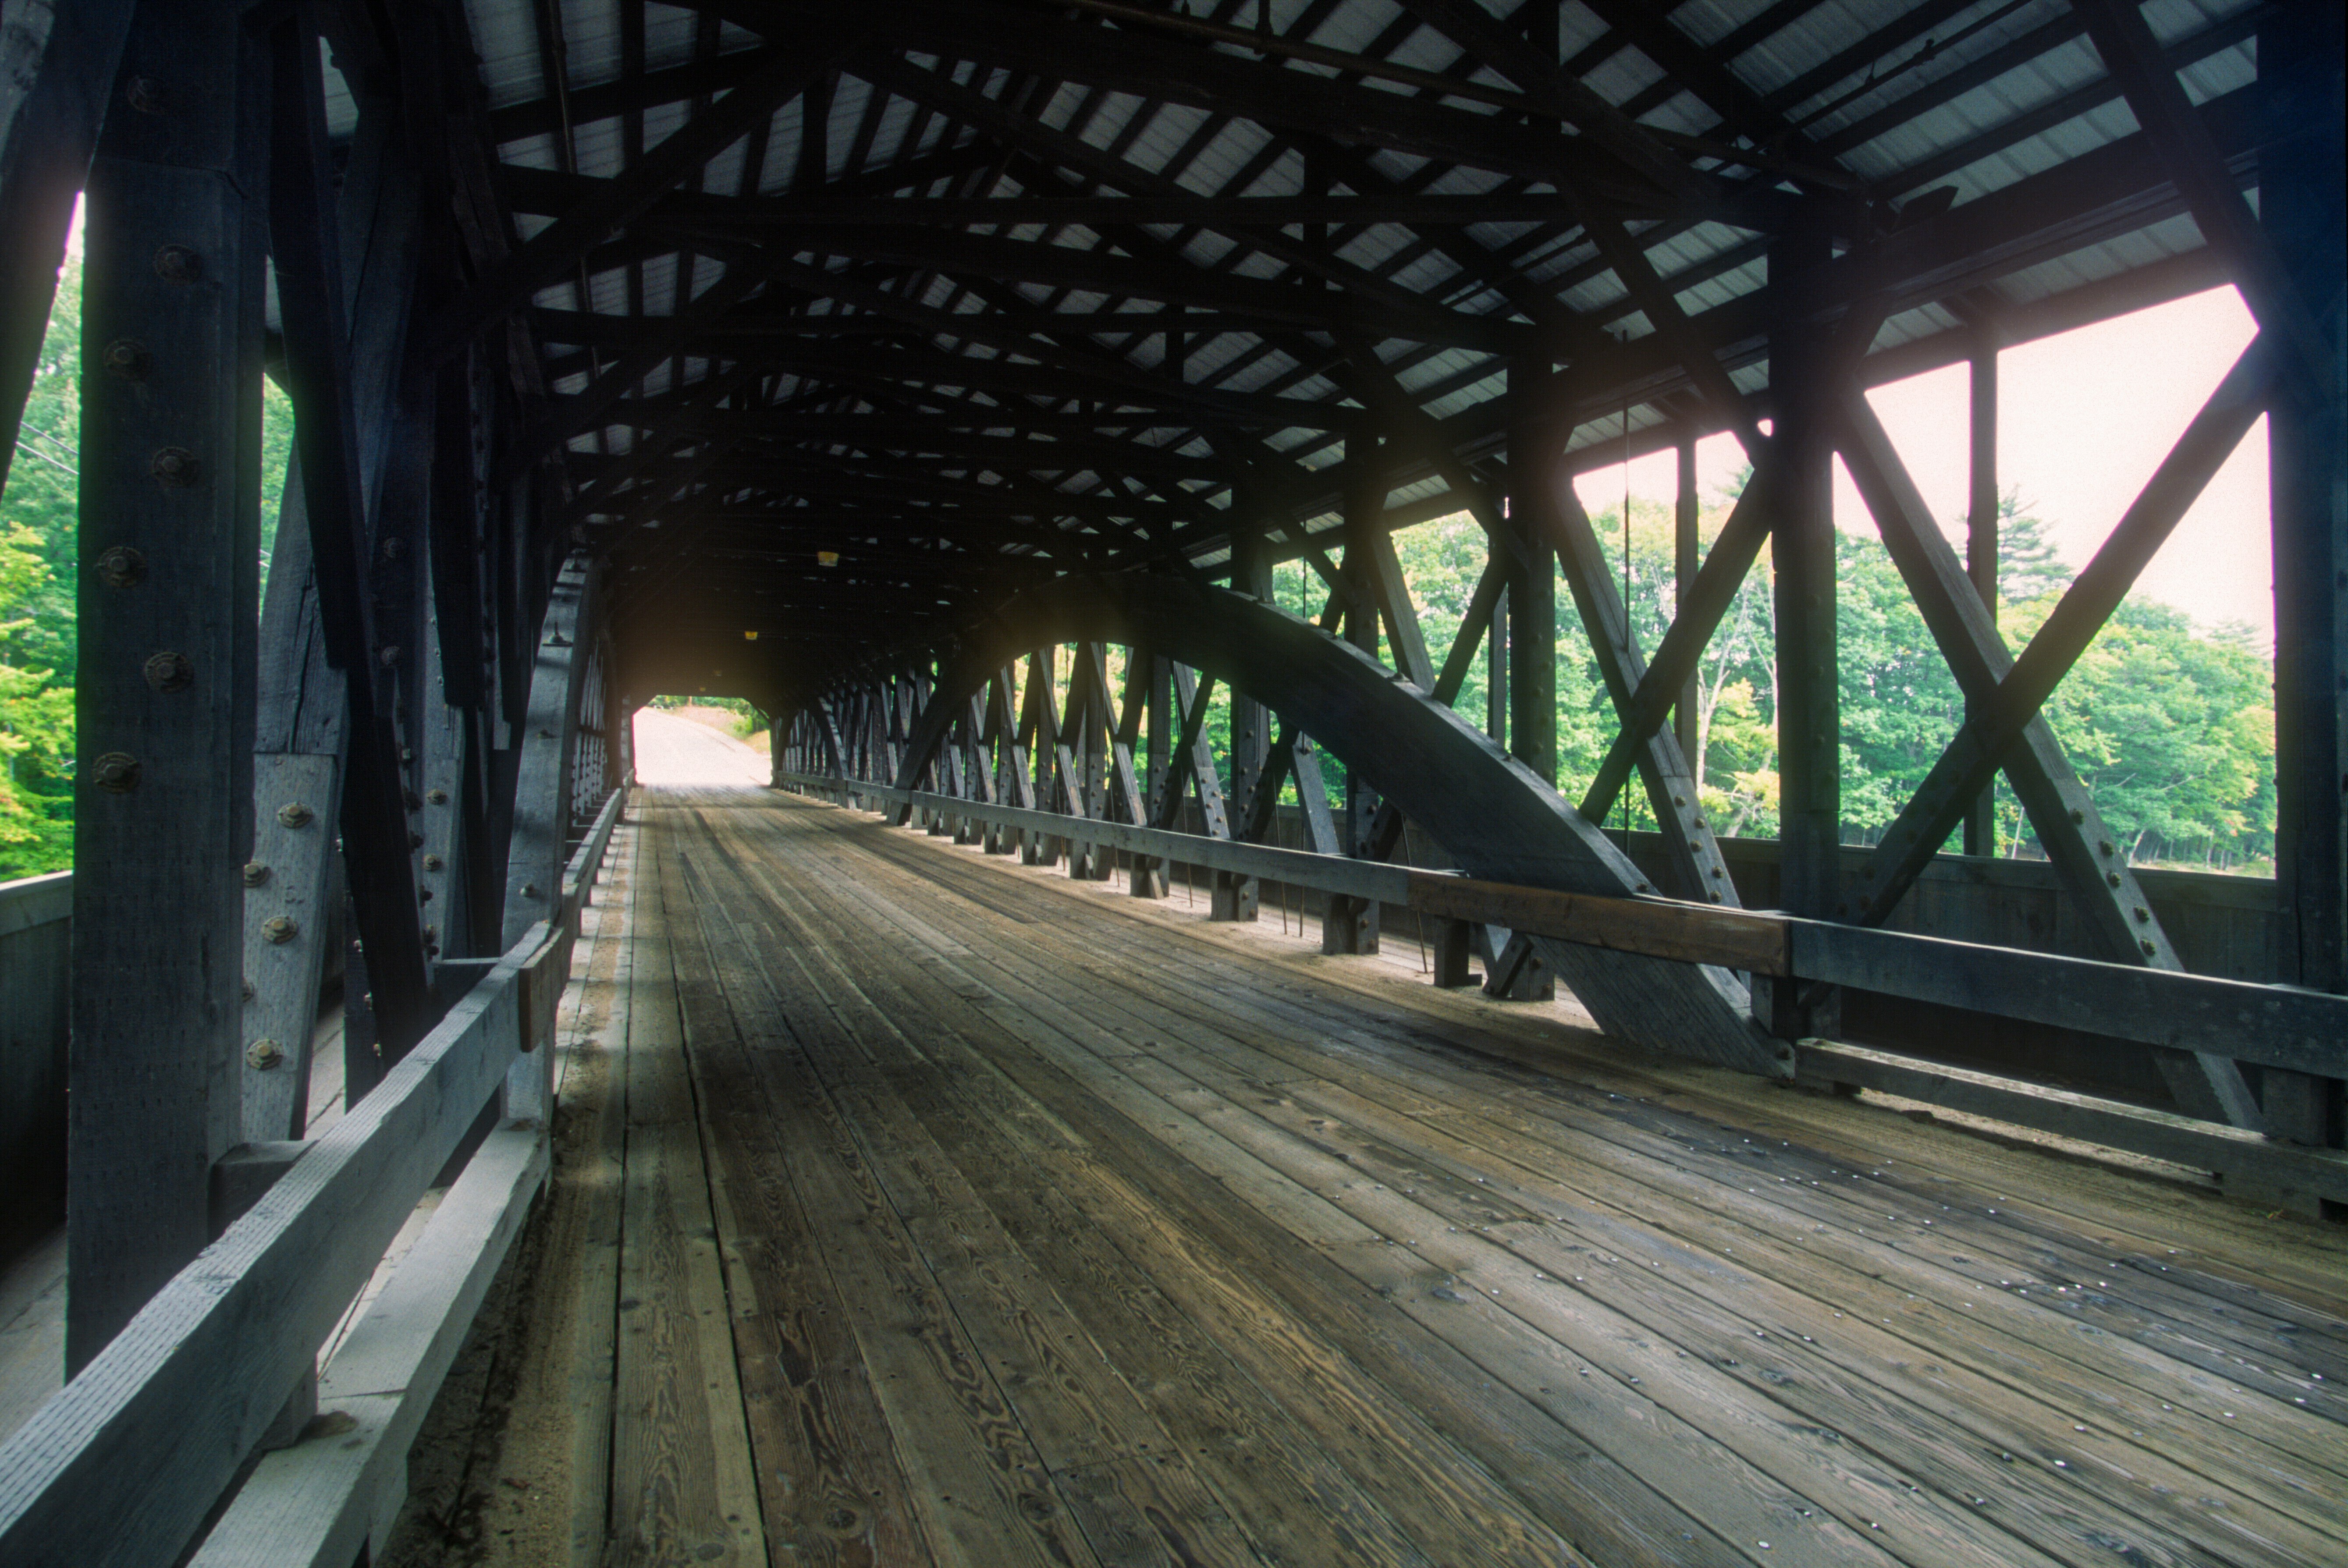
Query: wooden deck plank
{"type": "Point", "coordinates": [1053, 1225]}
{"type": "Point", "coordinates": [2315, 1391]}
{"type": "Point", "coordinates": [1274, 1254]}
{"type": "Point", "coordinates": [1452, 1109]}
{"type": "Point", "coordinates": [2321, 1433]}
{"type": "Point", "coordinates": [684, 1489]}
{"type": "Point", "coordinates": [831, 1489]}
{"type": "Point", "coordinates": [1370, 1424]}
{"type": "Point", "coordinates": [1066, 1395]}
{"type": "Point", "coordinates": [981, 1491]}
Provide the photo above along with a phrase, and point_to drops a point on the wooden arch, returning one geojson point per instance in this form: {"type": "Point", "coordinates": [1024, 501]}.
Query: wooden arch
{"type": "Point", "coordinates": [1489, 812]}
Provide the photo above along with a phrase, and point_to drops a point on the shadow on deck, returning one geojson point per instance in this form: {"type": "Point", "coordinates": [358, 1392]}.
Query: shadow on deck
{"type": "Point", "coordinates": [914, 1207]}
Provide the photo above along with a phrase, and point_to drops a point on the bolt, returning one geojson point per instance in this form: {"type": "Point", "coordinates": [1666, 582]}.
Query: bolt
{"type": "Point", "coordinates": [2103, 845]}
{"type": "Point", "coordinates": [424, 895]}
{"type": "Point", "coordinates": [2113, 878]}
{"type": "Point", "coordinates": [116, 772]}
{"type": "Point", "coordinates": [435, 796]}
{"type": "Point", "coordinates": [2142, 913]}
{"type": "Point", "coordinates": [415, 840]}
{"type": "Point", "coordinates": [294, 813]}
{"type": "Point", "coordinates": [175, 466]}
{"type": "Point", "coordinates": [255, 874]}
{"type": "Point", "coordinates": [127, 358]}
{"type": "Point", "coordinates": [432, 863]}
{"type": "Point", "coordinates": [264, 1054]}
{"type": "Point", "coordinates": [2147, 947]}
{"type": "Point", "coordinates": [146, 94]}
{"type": "Point", "coordinates": [122, 566]}
{"type": "Point", "coordinates": [169, 672]}
{"type": "Point", "coordinates": [390, 655]}
{"type": "Point", "coordinates": [177, 264]}
{"type": "Point", "coordinates": [2078, 816]}
{"type": "Point", "coordinates": [280, 929]}
{"type": "Point", "coordinates": [530, 889]}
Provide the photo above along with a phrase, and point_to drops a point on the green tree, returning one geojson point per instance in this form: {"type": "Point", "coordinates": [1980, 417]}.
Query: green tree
{"type": "Point", "coordinates": [37, 721]}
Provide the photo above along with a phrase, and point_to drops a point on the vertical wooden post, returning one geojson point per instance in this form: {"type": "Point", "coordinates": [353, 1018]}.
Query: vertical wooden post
{"type": "Point", "coordinates": [1495, 672]}
{"type": "Point", "coordinates": [1533, 589]}
{"type": "Point", "coordinates": [543, 783]}
{"type": "Point", "coordinates": [1686, 548]}
{"type": "Point", "coordinates": [1044, 849]}
{"type": "Point", "coordinates": [170, 493]}
{"type": "Point", "coordinates": [2301, 206]}
{"type": "Point", "coordinates": [289, 875]}
{"type": "Point", "coordinates": [1810, 724]}
{"type": "Point", "coordinates": [1238, 898]}
{"type": "Point", "coordinates": [1350, 925]}
{"type": "Point", "coordinates": [1981, 548]}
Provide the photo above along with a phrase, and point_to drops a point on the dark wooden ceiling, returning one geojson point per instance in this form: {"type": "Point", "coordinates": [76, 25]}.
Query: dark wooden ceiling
{"type": "Point", "coordinates": [854, 319]}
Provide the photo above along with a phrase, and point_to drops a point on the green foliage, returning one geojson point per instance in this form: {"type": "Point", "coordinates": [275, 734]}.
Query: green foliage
{"type": "Point", "coordinates": [37, 645]}
{"type": "Point", "coordinates": [2172, 729]}
{"type": "Point", "coordinates": [37, 723]}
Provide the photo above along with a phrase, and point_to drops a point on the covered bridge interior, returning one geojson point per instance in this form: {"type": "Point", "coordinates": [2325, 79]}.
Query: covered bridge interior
{"type": "Point", "coordinates": [1269, 1116]}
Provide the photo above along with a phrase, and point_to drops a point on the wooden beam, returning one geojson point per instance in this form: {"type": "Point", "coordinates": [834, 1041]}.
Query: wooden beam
{"type": "Point", "coordinates": [562, 244]}
{"type": "Point", "coordinates": [2060, 806]}
{"type": "Point", "coordinates": [167, 614]}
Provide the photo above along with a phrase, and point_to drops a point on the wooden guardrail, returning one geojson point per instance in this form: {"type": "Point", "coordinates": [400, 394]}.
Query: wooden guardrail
{"type": "Point", "coordinates": [123, 1463]}
{"type": "Point", "coordinates": [2270, 1025]}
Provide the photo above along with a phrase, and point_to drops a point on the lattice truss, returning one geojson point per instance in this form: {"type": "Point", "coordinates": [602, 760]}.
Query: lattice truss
{"type": "Point", "coordinates": [968, 295]}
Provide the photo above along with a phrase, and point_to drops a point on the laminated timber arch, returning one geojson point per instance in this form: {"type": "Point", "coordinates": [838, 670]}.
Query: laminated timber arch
{"type": "Point", "coordinates": [1487, 810]}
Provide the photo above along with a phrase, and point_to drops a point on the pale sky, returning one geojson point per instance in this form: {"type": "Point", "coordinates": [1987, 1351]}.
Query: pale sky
{"type": "Point", "coordinates": [2084, 419]}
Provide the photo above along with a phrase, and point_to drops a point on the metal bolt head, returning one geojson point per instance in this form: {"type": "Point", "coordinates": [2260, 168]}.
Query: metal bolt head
{"type": "Point", "coordinates": [388, 655]}
{"type": "Point", "coordinates": [280, 929]}
{"type": "Point", "coordinates": [294, 813]}
{"type": "Point", "coordinates": [530, 889]}
{"type": "Point", "coordinates": [436, 797]}
{"type": "Point", "coordinates": [432, 863]}
{"type": "Point", "coordinates": [177, 264]}
{"type": "Point", "coordinates": [116, 772]}
{"type": "Point", "coordinates": [256, 874]}
{"type": "Point", "coordinates": [248, 990]}
{"type": "Point", "coordinates": [122, 566]}
{"type": "Point", "coordinates": [146, 94]}
{"type": "Point", "coordinates": [174, 466]}
{"type": "Point", "coordinates": [129, 358]}
{"type": "Point", "coordinates": [264, 1054]}
{"type": "Point", "coordinates": [170, 671]}
{"type": "Point", "coordinates": [424, 895]}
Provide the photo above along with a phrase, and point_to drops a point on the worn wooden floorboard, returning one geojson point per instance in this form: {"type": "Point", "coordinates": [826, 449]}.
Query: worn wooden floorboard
{"type": "Point", "coordinates": [895, 1064]}
{"type": "Point", "coordinates": [1960, 1543]}
{"type": "Point", "coordinates": [2024, 1253]}
{"type": "Point", "coordinates": [985, 1216]}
